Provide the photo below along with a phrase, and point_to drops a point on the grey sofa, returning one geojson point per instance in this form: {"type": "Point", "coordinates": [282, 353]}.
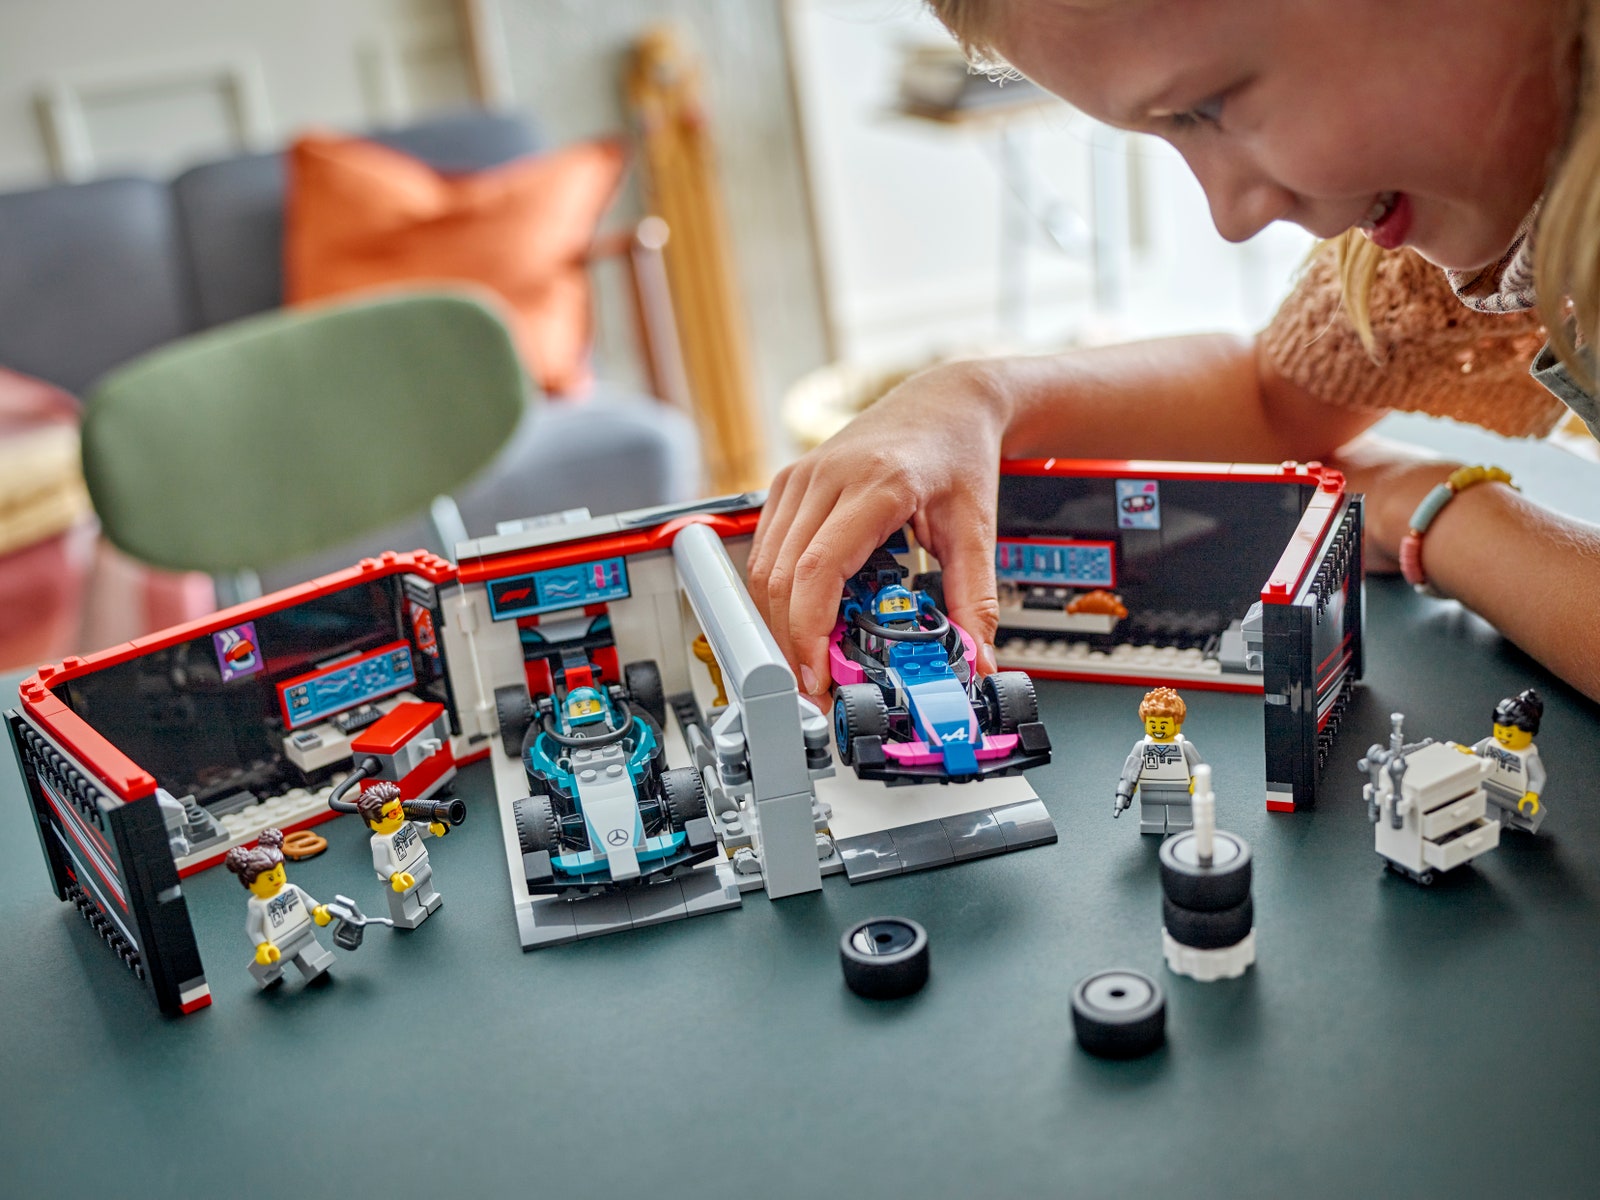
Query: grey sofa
{"type": "Point", "coordinates": [94, 274]}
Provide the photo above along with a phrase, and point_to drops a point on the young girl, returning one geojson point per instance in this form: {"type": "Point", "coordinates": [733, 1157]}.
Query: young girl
{"type": "Point", "coordinates": [1450, 152]}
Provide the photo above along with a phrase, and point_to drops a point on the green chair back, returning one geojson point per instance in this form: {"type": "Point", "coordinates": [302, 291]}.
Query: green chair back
{"type": "Point", "coordinates": [253, 444]}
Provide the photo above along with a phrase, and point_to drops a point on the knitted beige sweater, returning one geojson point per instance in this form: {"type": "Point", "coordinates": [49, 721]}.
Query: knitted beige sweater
{"type": "Point", "coordinates": [1434, 354]}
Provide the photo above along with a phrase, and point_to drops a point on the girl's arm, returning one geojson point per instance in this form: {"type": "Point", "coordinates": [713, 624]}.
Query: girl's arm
{"type": "Point", "coordinates": [1531, 573]}
{"type": "Point", "coordinates": [929, 452]}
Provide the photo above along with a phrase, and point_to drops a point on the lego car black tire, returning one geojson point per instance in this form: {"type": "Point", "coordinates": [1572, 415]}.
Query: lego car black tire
{"type": "Point", "coordinates": [683, 793]}
{"type": "Point", "coordinates": [537, 827]}
{"type": "Point", "coordinates": [1010, 700]}
{"type": "Point", "coordinates": [1118, 1013]}
{"type": "Point", "coordinates": [859, 711]}
{"type": "Point", "coordinates": [1223, 884]}
{"type": "Point", "coordinates": [884, 958]}
{"type": "Point", "coordinates": [1208, 930]}
{"type": "Point", "coordinates": [514, 712]}
{"type": "Point", "coordinates": [642, 681]}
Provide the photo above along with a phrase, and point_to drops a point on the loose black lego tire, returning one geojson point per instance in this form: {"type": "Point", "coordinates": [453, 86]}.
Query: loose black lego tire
{"type": "Point", "coordinates": [1224, 884]}
{"type": "Point", "coordinates": [1208, 930]}
{"type": "Point", "coordinates": [884, 958]}
{"type": "Point", "coordinates": [1119, 1014]}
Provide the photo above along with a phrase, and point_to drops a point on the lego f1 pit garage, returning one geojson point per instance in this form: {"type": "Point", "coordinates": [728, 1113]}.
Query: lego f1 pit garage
{"type": "Point", "coordinates": [594, 713]}
{"type": "Point", "coordinates": [636, 780]}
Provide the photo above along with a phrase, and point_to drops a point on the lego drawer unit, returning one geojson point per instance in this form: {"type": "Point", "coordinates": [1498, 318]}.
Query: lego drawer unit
{"type": "Point", "coordinates": [1232, 577]}
{"type": "Point", "coordinates": [148, 761]}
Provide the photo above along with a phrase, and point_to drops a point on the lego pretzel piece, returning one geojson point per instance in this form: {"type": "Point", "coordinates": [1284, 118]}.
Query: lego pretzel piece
{"type": "Point", "coordinates": [303, 844]}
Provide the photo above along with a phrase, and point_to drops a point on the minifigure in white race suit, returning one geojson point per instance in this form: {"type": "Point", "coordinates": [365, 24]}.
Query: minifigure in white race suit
{"type": "Point", "coordinates": [1516, 785]}
{"type": "Point", "coordinates": [279, 923]}
{"type": "Point", "coordinates": [398, 855]}
{"type": "Point", "coordinates": [1161, 766]}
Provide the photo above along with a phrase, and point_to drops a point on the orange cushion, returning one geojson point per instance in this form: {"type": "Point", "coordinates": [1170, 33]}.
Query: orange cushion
{"type": "Point", "coordinates": [360, 215]}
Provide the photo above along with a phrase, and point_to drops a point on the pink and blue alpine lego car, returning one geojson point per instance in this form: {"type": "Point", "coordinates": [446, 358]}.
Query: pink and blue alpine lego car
{"type": "Point", "coordinates": [908, 705]}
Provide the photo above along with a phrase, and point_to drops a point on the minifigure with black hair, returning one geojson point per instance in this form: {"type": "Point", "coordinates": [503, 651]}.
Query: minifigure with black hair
{"type": "Point", "coordinates": [1516, 785]}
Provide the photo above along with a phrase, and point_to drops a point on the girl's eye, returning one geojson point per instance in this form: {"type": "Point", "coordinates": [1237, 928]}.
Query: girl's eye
{"type": "Point", "coordinates": [1208, 113]}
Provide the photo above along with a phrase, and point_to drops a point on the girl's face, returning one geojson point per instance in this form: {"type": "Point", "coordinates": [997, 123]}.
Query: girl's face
{"type": "Point", "coordinates": [1429, 123]}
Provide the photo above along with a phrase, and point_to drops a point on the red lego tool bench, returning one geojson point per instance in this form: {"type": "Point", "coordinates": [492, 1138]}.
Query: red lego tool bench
{"type": "Point", "coordinates": [151, 759]}
{"type": "Point", "coordinates": [1225, 576]}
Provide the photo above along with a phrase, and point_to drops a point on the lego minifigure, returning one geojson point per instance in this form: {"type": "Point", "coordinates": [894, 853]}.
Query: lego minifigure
{"type": "Point", "coordinates": [1160, 766]}
{"type": "Point", "coordinates": [399, 856]}
{"type": "Point", "coordinates": [1516, 785]}
{"type": "Point", "coordinates": [281, 913]}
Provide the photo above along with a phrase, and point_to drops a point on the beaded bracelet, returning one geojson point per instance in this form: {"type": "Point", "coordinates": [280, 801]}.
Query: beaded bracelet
{"type": "Point", "coordinates": [1411, 545]}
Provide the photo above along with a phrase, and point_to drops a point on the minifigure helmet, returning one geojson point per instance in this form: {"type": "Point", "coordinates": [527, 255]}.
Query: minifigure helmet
{"type": "Point", "coordinates": [893, 603]}
{"type": "Point", "coordinates": [584, 705]}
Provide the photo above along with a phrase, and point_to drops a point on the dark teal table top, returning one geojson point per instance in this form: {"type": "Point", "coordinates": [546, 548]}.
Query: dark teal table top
{"type": "Point", "coordinates": [1391, 1039]}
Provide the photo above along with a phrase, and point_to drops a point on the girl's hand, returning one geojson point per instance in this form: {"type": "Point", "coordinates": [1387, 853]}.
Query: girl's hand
{"type": "Point", "coordinates": [927, 453]}
{"type": "Point", "coordinates": [1395, 478]}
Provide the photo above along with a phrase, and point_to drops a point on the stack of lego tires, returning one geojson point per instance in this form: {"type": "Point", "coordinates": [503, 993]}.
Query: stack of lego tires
{"type": "Point", "coordinates": [1207, 916]}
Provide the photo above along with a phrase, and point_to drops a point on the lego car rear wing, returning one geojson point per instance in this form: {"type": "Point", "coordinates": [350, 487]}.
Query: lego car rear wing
{"type": "Point", "coordinates": [1233, 577]}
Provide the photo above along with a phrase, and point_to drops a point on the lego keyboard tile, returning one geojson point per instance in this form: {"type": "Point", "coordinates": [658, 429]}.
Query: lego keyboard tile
{"type": "Point", "coordinates": [922, 846]}
{"type": "Point", "coordinates": [1026, 824]}
{"type": "Point", "coordinates": [596, 916]}
{"type": "Point", "coordinates": [656, 903]}
{"type": "Point", "coordinates": [869, 856]}
{"type": "Point", "coordinates": [974, 835]}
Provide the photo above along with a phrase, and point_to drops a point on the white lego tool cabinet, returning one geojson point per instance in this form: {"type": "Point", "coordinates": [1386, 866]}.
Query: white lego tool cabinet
{"type": "Point", "coordinates": [1427, 806]}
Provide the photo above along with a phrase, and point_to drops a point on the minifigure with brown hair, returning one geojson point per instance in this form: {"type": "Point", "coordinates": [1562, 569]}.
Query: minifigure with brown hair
{"type": "Point", "coordinates": [398, 855]}
{"type": "Point", "coordinates": [1160, 766]}
{"type": "Point", "coordinates": [279, 923]}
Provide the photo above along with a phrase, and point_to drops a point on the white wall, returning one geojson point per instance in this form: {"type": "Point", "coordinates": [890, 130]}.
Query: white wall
{"type": "Point", "coordinates": [566, 59]}
{"type": "Point", "coordinates": [910, 212]}
{"type": "Point", "coordinates": [158, 83]}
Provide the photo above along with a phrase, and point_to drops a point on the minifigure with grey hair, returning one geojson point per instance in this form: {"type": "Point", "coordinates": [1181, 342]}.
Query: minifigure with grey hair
{"type": "Point", "coordinates": [398, 855]}
{"type": "Point", "coordinates": [1160, 767]}
{"type": "Point", "coordinates": [279, 923]}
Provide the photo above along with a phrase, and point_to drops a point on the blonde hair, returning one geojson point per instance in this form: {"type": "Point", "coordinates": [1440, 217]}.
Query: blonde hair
{"type": "Point", "coordinates": [964, 20]}
{"type": "Point", "coordinates": [1566, 249]}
